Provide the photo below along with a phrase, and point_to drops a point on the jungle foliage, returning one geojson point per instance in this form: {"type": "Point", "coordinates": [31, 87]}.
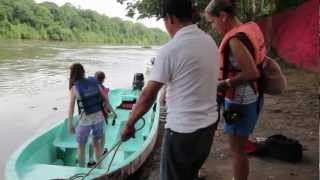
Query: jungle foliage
{"type": "Point", "coordinates": [25, 19]}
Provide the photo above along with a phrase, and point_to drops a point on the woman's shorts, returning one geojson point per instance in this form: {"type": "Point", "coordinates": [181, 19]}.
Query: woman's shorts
{"type": "Point", "coordinates": [83, 132]}
{"type": "Point", "coordinates": [248, 119]}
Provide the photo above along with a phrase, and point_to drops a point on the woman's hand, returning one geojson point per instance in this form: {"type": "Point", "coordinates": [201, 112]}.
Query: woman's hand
{"type": "Point", "coordinates": [223, 85]}
{"type": "Point", "coordinates": [115, 114]}
{"type": "Point", "coordinates": [72, 130]}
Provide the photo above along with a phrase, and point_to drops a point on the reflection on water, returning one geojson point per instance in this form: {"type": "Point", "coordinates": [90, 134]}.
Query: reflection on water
{"type": "Point", "coordinates": [34, 82]}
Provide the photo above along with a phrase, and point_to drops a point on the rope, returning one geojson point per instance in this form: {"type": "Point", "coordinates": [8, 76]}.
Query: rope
{"type": "Point", "coordinates": [116, 146]}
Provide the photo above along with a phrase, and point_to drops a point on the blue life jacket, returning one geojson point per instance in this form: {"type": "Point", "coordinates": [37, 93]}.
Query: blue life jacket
{"type": "Point", "coordinates": [90, 98]}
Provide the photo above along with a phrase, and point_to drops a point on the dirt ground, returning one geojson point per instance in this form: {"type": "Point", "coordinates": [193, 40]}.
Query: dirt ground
{"type": "Point", "coordinates": [295, 113]}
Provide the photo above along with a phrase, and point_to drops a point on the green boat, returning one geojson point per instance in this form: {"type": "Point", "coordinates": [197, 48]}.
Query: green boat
{"type": "Point", "coordinates": [53, 153]}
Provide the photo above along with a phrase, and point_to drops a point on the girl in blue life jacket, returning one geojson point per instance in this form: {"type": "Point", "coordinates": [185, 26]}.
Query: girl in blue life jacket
{"type": "Point", "coordinates": [89, 96]}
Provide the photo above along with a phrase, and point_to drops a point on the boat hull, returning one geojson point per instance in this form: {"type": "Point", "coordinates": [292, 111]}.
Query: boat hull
{"type": "Point", "coordinates": [53, 153]}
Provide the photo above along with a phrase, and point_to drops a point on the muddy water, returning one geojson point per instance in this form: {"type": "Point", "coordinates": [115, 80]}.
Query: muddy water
{"type": "Point", "coordinates": [34, 83]}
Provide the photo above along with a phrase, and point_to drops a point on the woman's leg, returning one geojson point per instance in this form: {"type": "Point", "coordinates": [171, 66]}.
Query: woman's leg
{"type": "Point", "coordinates": [238, 134]}
{"type": "Point", "coordinates": [240, 161]}
{"type": "Point", "coordinates": [81, 154]}
{"type": "Point", "coordinates": [97, 148]}
{"type": "Point", "coordinates": [91, 159]}
{"type": "Point", "coordinates": [91, 148]}
{"type": "Point", "coordinates": [82, 138]}
{"type": "Point", "coordinates": [103, 141]}
{"type": "Point", "coordinates": [98, 134]}
{"type": "Point", "coordinates": [103, 138]}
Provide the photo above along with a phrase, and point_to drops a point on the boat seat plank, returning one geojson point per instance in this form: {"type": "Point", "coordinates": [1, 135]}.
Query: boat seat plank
{"type": "Point", "coordinates": [64, 139]}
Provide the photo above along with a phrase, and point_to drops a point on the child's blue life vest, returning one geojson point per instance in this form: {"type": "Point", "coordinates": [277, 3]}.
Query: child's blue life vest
{"type": "Point", "coordinates": [90, 98]}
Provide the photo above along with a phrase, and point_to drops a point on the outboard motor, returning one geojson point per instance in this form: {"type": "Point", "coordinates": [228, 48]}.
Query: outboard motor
{"type": "Point", "coordinates": [138, 81]}
{"type": "Point", "coordinates": [152, 60]}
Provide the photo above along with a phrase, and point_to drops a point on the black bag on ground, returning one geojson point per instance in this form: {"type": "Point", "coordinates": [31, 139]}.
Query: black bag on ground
{"type": "Point", "coordinates": [284, 148]}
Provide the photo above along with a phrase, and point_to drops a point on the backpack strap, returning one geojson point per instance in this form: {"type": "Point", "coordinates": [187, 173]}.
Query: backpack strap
{"type": "Point", "coordinates": [247, 43]}
{"type": "Point", "coordinates": [260, 88]}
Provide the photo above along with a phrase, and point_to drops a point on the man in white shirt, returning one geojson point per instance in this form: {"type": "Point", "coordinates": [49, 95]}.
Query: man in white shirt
{"type": "Point", "coordinates": [188, 65]}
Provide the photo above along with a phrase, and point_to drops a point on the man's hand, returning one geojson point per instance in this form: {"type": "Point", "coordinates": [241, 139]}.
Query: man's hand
{"type": "Point", "coordinates": [127, 132]}
{"type": "Point", "coordinates": [163, 95]}
{"type": "Point", "coordinates": [145, 101]}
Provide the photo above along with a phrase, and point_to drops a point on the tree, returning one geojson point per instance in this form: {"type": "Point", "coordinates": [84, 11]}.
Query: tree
{"type": "Point", "coordinates": [25, 19]}
{"type": "Point", "coordinates": [24, 13]}
{"type": "Point", "coordinates": [245, 9]}
{"type": "Point", "coordinates": [43, 17]}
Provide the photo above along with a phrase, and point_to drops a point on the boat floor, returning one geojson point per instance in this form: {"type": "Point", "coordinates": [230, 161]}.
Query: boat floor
{"type": "Point", "coordinates": [58, 169]}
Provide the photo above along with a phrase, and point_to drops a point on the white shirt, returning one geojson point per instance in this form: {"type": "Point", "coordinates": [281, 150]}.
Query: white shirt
{"type": "Point", "coordinates": [188, 64]}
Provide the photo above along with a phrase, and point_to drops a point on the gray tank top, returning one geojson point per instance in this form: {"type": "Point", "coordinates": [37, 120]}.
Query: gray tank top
{"type": "Point", "coordinates": [244, 93]}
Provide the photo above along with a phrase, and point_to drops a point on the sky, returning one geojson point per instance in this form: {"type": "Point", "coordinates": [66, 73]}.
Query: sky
{"type": "Point", "coordinates": [110, 8]}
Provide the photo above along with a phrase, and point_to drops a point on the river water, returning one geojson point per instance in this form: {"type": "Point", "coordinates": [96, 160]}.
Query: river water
{"type": "Point", "coordinates": [34, 83]}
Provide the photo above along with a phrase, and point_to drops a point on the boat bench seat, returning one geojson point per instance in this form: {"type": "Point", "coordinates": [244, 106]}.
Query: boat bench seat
{"type": "Point", "coordinates": [64, 139]}
{"type": "Point", "coordinates": [46, 171]}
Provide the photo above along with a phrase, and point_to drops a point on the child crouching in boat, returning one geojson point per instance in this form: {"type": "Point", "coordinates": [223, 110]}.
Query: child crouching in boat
{"type": "Point", "coordinates": [89, 96]}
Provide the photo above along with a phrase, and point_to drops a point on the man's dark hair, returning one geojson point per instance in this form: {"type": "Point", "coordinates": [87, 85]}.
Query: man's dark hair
{"type": "Point", "coordinates": [181, 9]}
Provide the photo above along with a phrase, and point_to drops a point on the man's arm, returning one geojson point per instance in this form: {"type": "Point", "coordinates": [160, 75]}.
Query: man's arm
{"type": "Point", "coordinates": [145, 101]}
{"type": "Point", "coordinates": [163, 96]}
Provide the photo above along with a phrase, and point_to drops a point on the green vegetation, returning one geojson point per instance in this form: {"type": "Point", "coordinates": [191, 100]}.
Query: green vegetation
{"type": "Point", "coordinates": [246, 10]}
{"type": "Point", "coordinates": [25, 19]}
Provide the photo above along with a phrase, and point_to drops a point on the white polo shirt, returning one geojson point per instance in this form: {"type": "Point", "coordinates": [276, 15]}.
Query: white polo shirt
{"type": "Point", "coordinates": [188, 64]}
